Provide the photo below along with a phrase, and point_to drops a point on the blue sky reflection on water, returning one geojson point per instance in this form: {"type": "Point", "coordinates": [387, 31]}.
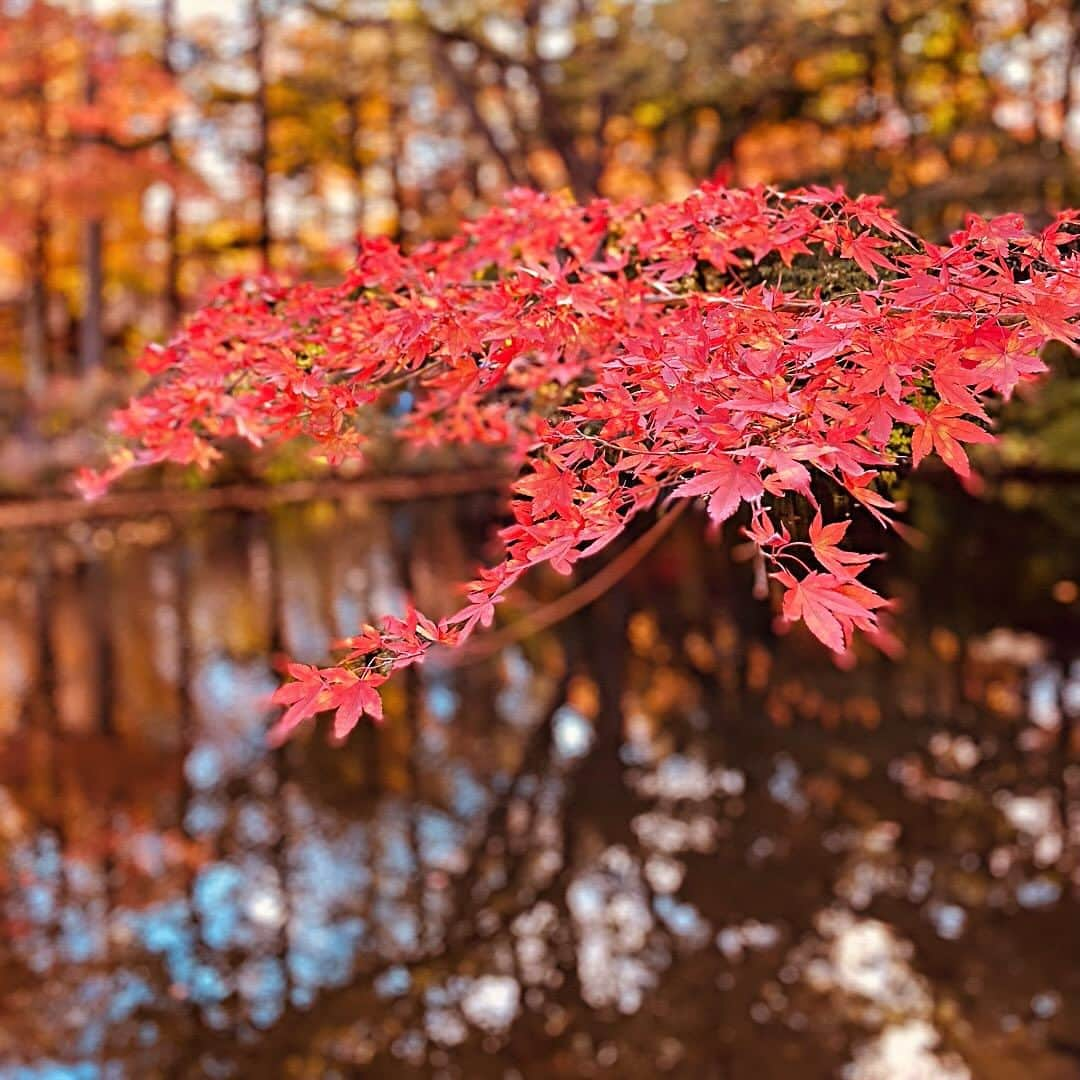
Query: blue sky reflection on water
{"type": "Point", "coordinates": [501, 864]}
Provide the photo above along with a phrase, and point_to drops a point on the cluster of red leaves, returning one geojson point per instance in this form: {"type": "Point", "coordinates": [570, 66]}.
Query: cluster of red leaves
{"type": "Point", "coordinates": [622, 356]}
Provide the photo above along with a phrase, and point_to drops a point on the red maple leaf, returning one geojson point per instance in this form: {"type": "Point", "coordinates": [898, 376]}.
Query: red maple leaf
{"type": "Point", "coordinates": [830, 606]}
{"type": "Point", "coordinates": [824, 540]}
{"type": "Point", "coordinates": [942, 431]}
{"type": "Point", "coordinates": [726, 482]}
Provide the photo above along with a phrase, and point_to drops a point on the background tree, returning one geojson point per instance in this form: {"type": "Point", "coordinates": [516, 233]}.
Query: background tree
{"type": "Point", "coordinates": [272, 132]}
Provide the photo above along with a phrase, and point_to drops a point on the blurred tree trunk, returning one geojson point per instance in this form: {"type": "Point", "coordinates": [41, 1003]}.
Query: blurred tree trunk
{"type": "Point", "coordinates": [557, 127]}
{"type": "Point", "coordinates": [92, 331]}
{"type": "Point", "coordinates": [172, 298]}
{"type": "Point", "coordinates": [92, 328]}
{"type": "Point", "coordinates": [468, 95]}
{"type": "Point", "coordinates": [1070, 173]}
{"type": "Point", "coordinates": [36, 326]}
{"type": "Point", "coordinates": [396, 140]}
{"type": "Point", "coordinates": [353, 161]}
{"type": "Point", "coordinates": [264, 236]}
{"type": "Point", "coordinates": [554, 124]}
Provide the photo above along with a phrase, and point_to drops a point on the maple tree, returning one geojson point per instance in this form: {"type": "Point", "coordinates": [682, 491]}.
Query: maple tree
{"type": "Point", "coordinates": [626, 358]}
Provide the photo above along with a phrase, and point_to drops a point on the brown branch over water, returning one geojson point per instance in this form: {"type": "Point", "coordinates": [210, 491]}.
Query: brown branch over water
{"type": "Point", "coordinates": [480, 648]}
{"type": "Point", "coordinates": [46, 513]}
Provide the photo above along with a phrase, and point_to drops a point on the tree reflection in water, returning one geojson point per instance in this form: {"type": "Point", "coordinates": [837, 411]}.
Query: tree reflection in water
{"type": "Point", "coordinates": [658, 840]}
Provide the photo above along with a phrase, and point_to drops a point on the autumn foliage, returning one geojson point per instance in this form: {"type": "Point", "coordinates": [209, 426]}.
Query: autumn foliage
{"type": "Point", "coordinates": [740, 347]}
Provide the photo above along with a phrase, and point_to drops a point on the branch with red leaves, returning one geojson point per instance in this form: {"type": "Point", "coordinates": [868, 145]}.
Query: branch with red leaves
{"type": "Point", "coordinates": [621, 357]}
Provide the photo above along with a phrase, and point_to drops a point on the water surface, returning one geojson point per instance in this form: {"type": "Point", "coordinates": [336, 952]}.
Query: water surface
{"type": "Point", "coordinates": [662, 840]}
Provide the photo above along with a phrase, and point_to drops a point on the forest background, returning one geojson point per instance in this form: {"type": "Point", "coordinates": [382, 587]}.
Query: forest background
{"type": "Point", "coordinates": [151, 148]}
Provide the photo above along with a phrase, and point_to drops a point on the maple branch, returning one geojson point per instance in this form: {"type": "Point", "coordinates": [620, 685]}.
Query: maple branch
{"type": "Point", "coordinates": [478, 649]}
{"type": "Point", "coordinates": [608, 387]}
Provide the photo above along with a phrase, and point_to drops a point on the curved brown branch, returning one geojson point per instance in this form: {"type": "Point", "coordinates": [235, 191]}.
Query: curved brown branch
{"type": "Point", "coordinates": [570, 603]}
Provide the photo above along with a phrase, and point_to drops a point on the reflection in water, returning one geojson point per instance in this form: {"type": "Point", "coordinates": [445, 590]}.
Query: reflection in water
{"type": "Point", "coordinates": [661, 840]}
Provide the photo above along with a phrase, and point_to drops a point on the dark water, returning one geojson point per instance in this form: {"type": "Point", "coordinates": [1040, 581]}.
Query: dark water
{"type": "Point", "coordinates": [662, 840]}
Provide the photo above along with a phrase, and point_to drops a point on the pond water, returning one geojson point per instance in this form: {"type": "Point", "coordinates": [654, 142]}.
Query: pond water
{"type": "Point", "coordinates": [662, 839]}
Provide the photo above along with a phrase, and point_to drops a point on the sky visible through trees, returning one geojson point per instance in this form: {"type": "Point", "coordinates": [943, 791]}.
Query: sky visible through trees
{"type": "Point", "coordinates": [152, 148]}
